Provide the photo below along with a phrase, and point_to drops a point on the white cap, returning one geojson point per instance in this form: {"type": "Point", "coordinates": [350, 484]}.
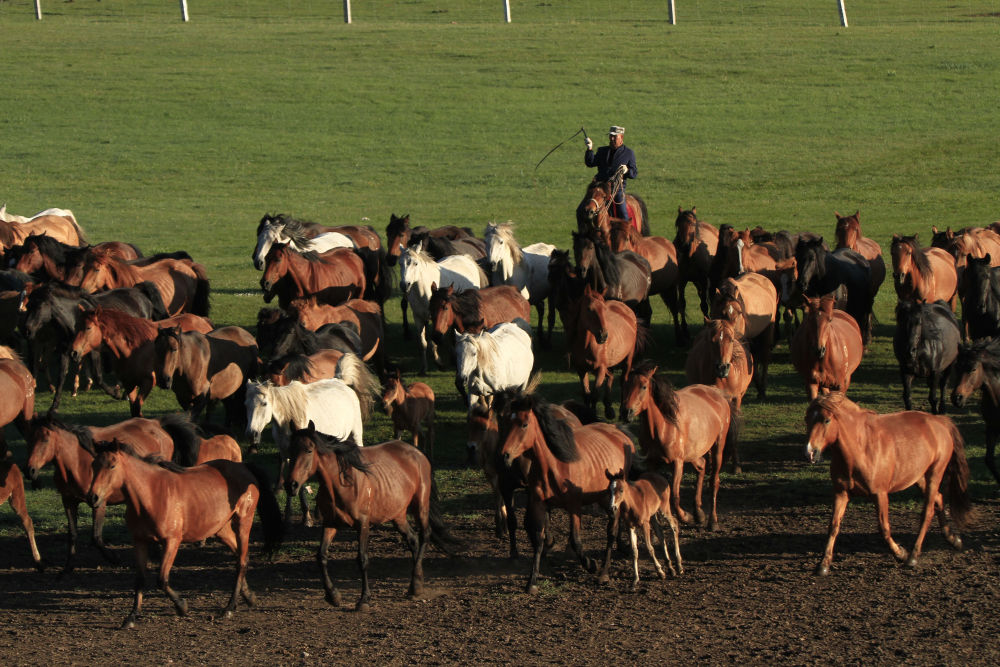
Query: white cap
{"type": "Point", "coordinates": [616, 129]}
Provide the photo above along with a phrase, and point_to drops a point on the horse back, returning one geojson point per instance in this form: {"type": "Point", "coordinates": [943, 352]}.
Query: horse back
{"type": "Point", "coordinates": [902, 447]}
{"type": "Point", "coordinates": [145, 436]}
{"type": "Point", "coordinates": [398, 479]}
{"type": "Point", "coordinates": [703, 417]}
{"type": "Point", "coordinates": [503, 303]}
{"type": "Point", "coordinates": [17, 386]}
{"type": "Point", "coordinates": [602, 447]}
{"type": "Point", "coordinates": [220, 446]}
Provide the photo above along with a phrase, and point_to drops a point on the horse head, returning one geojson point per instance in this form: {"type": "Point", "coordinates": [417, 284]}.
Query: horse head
{"type": "Point", "coordinates": [397, 235]}
{"type": "Point", "coordinates": [616, 488]}
{"type": "Point", "coordinates": [809, 261]}
{"type": "Point", "coordinates": [276, 266]}
{"type": "Point", "coordinates": [848, 230]}
{"type": "Point", "coordinates": [109, 471]}
{"type": "Point", "coordinates": [259, 408]}
{"type": "Point", "coordinates": [724, 343]}
{"type": "Point", "coordinates": [820, 320]}
{"type": "Point", "coordinates": [393, 393]}
{"type": "Point", "coordinates": [823, 423]}
{"type": "Point", "coordinates": [968, 371]}
{"type": "Point", "coordinates": [637, 390]}
{"type": "Point", "coordinates": [88, 333]}
{"type": "Point", "coordinates": [502, 251]}
{"type": "Point", "coordinates": [904, 254]}
{"type": "Point", "coordinates": [592, 317]}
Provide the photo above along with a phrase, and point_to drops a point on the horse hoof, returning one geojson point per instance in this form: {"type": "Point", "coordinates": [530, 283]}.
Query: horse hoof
{"type": "Point", "coordinates": [604, 579]}
{"type": "Point", "coordinates": [228, 613]}
{"type": "Point", "coordinates": [128, 623]}
{"type": "Point", "coordinates": [531, 590]}
{"type": "Point", "coordinates": [822, 570]}
{"type": "Point", "coordinates": [609, 413]}
{"type": "Point", "coordinates": [911, 562]}
{"type": "Point", "coordinates": [957, 544]}
{"type": "Point", "coordinates": [250, 599]}
{"type": "Point", "coordinates": [362, 607]}
{"type": "Point", "coordinates": [737, 470]}
{"type": "Point", "coordinates": [713, 525]}
{"type": "Point", "coordinates": [333, 599]}
{"type": "Point", "coordinates": [308, 522]}
{"type": "Point", "coordinates": [182, 608]}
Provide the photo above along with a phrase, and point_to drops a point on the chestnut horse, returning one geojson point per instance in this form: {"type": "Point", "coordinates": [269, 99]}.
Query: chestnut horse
{"type": "Point", "coordinates": [49, 259]}
{"type": "Point", "coordinates": [568, 465]}
{"type": "Point", "coordinates": [410, 407]}
{"type": "Point", "coordinates": [662, 257]}
{"type": "Point", "coordinates": [640, 504]}
{"type": "Point", "coordinates": [333, 277]}
{"type": "Point", "coordinates": [17, 386]}
{"type": "Point", "coordinates": [750, 303]}
{"type": "Point", "coordinates": [827, 348]}
{"type": "Point", "coordinates": [926, 345]}
{"type": "Point", "coordinates": [923, 274]}
{"type": "Point", "coordinates": [364, 316]}
{"type": "Point", "coordinates": [472, 310]}
{"type": "Point", "coordinates": [966, 243]}
{"type": "Point", "coordinates": [183, 285]}
{"type": "Point", "coordinates": [304, 368]}
{"type": "Point", "coordinates": [59, 224]}
{"type": "Point", "coordinates": [680, 426]}
{"type": "Point", "coordinates": [361, 487]}
{"type": "Point", "coordinates": [874, 455]}
{"type": "Point", "coordinates": [696, 242]}
{"type": "Point", "coordinates": [12, 488]}
{"type": "Point", "coordinates": [849, 235]}
{"type": "Point", "coordinates": [602, 335]}
{"type": "Point", "coordinates": [978, 367]}
{"type": "Point", "coordinates": [169, 504]}
{"type": "Point", "coordinates": [594, 211]}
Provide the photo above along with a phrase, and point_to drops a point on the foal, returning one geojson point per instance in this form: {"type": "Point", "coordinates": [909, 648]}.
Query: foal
{"type": "Point", "coordinates": [639, 504]}
{"type": "Point", "coordinates": [409, 407]}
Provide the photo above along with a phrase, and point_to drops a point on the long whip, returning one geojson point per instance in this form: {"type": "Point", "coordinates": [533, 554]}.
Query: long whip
{"type": "Point", "coordinates": [560, 144]}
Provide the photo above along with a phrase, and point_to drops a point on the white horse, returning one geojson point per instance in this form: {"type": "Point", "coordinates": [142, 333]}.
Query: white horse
{"type": "Point", "coordinates": [493, 360]}
{"type": "Point", "coordinates": [279, 232]}
{"type": "Point", "coordinates": [421, 275]}
{"type": "Point", "coordinates": [525, 268]}
{"type": "Point", "coordinates": [338, 406]}
{"type": "Point", "coordinates": [61, 212]}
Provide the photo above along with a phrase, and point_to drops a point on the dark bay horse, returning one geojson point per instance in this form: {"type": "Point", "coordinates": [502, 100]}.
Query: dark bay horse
{"type": "Point", "coordinates": [696, 242]}
{"type": "Point", "coordinates": [183, 285]}
{"type": "Point", "coordinates": [334, 277]}
{"type": "Point", "coordinates": [567, 470]}
{"type": "Point", "coordinates": [364, 486]}
{"type": "Point", "coordinates": [471, 311]}
{"type": "Point", "coordinates": [398, 234]}
{"type": "Point", "coordinates": [665, 277]}
{"type": "Point", "coordinates": [170, 504]}
{"type": "Point", "coordinates": [823, 272]}
{"type": "Point", "coordinates": [874, 455]}
{"type": "Point", "coordinates": [565, 286]}
{"type": "Point", "coordinates": [594, 211]}
{"type": "Point", "coordinates": [49, 259]}
{"type": "Point", "coordinates": [364, 316]}
{"type": "Point", "coordinates": [923, 274]}
{"type": "Point", "coordinates": [827, 348]}
{"type": "Point", "coordinates": [979, 291]}
{"type": "Point", "coordinates": [279, 334]}
{"type": "Point", "coordinates": [12, 489]}
{"type": "Point", "coordinates": [926, 345]}
{"type": "Point", "coordinates": [623, 276]}
{"type": "Point", "coordinates": [680, 426]}
{"type": "Point", "coordinates": [978, 367]}
{"type": "Point", "coordinates": [411, 408]}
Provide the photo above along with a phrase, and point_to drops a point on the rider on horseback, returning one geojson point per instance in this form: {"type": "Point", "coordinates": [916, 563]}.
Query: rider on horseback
{"type": "Point", "coordinates": [614, 161]}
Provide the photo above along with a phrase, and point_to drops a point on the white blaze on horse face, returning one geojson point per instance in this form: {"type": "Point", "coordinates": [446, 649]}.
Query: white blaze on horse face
{"type": "Point", "coordinates": [265, 240]}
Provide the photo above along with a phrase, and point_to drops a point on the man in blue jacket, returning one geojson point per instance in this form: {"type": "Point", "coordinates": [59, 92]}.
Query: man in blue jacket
{"type": "Point", "coordinates": [611, 161]}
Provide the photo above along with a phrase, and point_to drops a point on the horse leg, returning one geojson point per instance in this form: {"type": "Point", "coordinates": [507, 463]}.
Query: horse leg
{"type": "Point", "coordinates": [613, 522]}
{"type": "Point", "coordinates": [228, 536]}
{"type": "Point", "coordinates": [588, 398]}
{"type": "Point", "coordinates": [413, 543]}
{"type": "Point", "coordinates": [589, 564]}
{"type": "Point", "coordinates": [540, 307]}
{"type": "Point", "coordinates": [952, 536]}
{"type": "Point", "coordinates": [167, 562]}
{"type": "Point", "coordinates": [699, 467]}
{"type": "Point", "coordinates": [423, 349]}
{"type": "Point", "coordinates": [882, 506]}
{"type": "Point", "coordinates": [407, 334]}
{"type": "Point", "coordinates": [991, 446]}
{"type": "Point", "coordinates": [713, 519]}
{"type": "Point", "coordinates": [322, 559]}
{"type": "Point", "coordinates": [942, 381]}
{"type": "Point", "coordinates": [506, 508]}
{"type": "Point", "coordinates": [307, 517]}
{"type": "Point", "coordinates": [907, 388]}
{"type": "Point", "coordinates": [933, 484]}
{"type": "Point", "coordinates": [57, 388]}
{"type": "Point", "coordinates": [634, 544]}
{"type": "Point", "coordinates": [141, 561]}
{"type": "Point", "coordinates": [14, 489]}
{"type": "Point", "coordinates": [535, 523]}
{"type": "Point", "coordinates": [675, 536]}
{"type": "Point", "coordinates": [72, 508]}
{"type": "Point", "coordinates": [840, 499]}
{"type": "Point", "coordinates": [97, 537]}
{"type": "Point", "coordinates": [603, 381]}
{"type": "Point", "coordinates": [675, 493]}
{"type": "Point", "coordinates": [364, 532]}
{"type": "Point", "coordinates": [649, 548]}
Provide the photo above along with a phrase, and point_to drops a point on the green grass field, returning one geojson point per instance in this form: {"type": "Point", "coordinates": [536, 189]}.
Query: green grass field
{"type": "Point", "coordinates": [180, 136]}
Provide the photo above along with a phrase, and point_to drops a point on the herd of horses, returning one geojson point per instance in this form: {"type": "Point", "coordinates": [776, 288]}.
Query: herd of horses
{"type": "Point", "coordinates": [319, 363]}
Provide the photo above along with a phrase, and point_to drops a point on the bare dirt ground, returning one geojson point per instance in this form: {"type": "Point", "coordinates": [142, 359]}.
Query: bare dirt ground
{"type": "Point", "coordinates": [747, 594]}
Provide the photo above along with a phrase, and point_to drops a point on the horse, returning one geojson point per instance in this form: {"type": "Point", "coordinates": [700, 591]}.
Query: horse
{"type": "Point", "coordinates": [48, 259]}
{"type": "Point", "coordinates": [926, 345]}
{"type": "Point", "coordinates": [602, 335]}
{"type": "Point", "coordinates": [823, 272]}
{"type": "Point", "coordinates": [59, 224]}
{"type": "Point", "coordinates": [12, 489]}
{"type": "Point", "coordinates": [410, 407]}
{"type": "Point", "coordinates": [979, 291]}
{"type": "Point", "coordinates": [52, 314]}
{"type": "Point", "coordinates": [720, 357]}
{"type": "Point", "coordinates": [750, 303]}
{"type": "Point", "coordinates": [183, 285]}
{"type": "Point", "coordinates": [680, 426]}
{"type": "Point", "coordinates": [273, 227]}
{"type": "Point", "coordinates": [565, 286]}
{"type": "Point", "coordinates": [362, 487]}
{"type": "Point", "coordinates": [594, 211]}
{"type": "Point", "coordinates": [923, 274]}
{"type": "Point", "coordinates": [304, 368]}
{"type": "Point", "coordinates": [398, 234]}
{"type": "Point", "coordinates": [848, 232]}
{"type": "Point", "coordinates": [17, 386]}
{"type": "Point", "coordinates": [493, 360]}
{"type": "Point", "coordinates": [170, 504]}
{"type": "Point", "coordinates": [201, 368]}
{"type": "Point", "coordinates": [624, 276]}
{"type": "Point", "coordinates": [279, 335]}
{"type": "Point", "coordinates": [473, 310]}
{"type": "Point", "coordinates": [874, 455]}
{"type": "Point", "coordinates": [971, 241]}
{"type": "Point", "coordinates": [71, 448]}
{"type": "Point", "coordinates": [827, 348]}
{"type": "Point", "coordinates": [665, 271]}
{"type": "Point", "coordinates": [363, 316]}
{"type": "Point", "coordinates": [640, 503]}
{"type": "Point", "coordinates": [339, 406]}
{"type": "Point", "coordinates": [696, 242]}
{"type": "Point", "coordinates": [333, 277]}
{"type": "Point", "coordinates": [978, 367]}
{"type": "Point", "coordinates": [525, 268]}
{"type": "Point", "coordinates": [421, 275]}
{"type": "Point", "coordinates": [567, 469]}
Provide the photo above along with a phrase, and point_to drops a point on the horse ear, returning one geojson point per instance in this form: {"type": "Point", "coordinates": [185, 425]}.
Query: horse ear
{"type": "Point", "coordinates": [986, 257]}
{"type": "Point", "coordinates": [312, 426]}
{"type": "Point", "coordinates": [694, 210]}
{"type": "Point", "coordinates": [857, 214]}
{"type": "Point", "coordinates": [836, 215]}
{"type": "Point", "coordinates": [895, 237]}
{"type": "Point", "coordinates": [293, 426]}
{"type": "Point", "coordinates": [434, 286]}
{"type": "Point", "coordinates": [708, 320]}
{"type": "Point", "coordinates": [934, 229]}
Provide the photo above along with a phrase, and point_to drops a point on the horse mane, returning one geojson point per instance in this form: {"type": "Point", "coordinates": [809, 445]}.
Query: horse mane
{"type": "Point", "coordinates": [184, 433]}
{"type": "Point", "coordinates": [919, 255]}
{"type": "Point", "coordinates": [135, 330]}
{"type": "Point", "coordinates": [49, 246]}
{"type": "Point", "coordinates": [292, 227]}
{"type": "Point", "coordinates": [121, 271]}
{"type": "Point", "coordinates": [610, 264]}
{"type": "Point", "coordinates": [505, 232]}
{"type": "Point", "coordinates": [82, 433]}
{"type": "Point", "coordinates": [289, 401]}
{"type": "Point", "coordinates": [741, 347]}
{"type": "Point", "coordinates": [467, 302]}
{"type": "Point", "coordinates": [348, 454]}
{"type": "Point", "coordinates": [296, 366]}
{"type": "Point", "coordinates": [7, 352]}
{"type": "Point", "coordinates": [558, 433]}
{"type": "Point", "coordinates": [396, 224]}
{"type": "Point", "coordinates": [116, 446]}
{"type": "Point", "coordinates": [985, 351]}
{"type": "Point", "coordinates": [664, 394]}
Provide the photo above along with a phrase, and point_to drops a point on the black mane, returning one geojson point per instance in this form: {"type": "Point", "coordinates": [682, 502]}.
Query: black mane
{"type": "Point", "coordinates": [557, 433]}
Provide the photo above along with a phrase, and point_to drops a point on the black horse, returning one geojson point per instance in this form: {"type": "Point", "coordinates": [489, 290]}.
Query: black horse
{"type": "Point", "coordinates": [50, 324]}
{"type": "Point", "coordinates": [822, 272]}
{"type": "Point", "coordinates": [926, 345]}
{"type": "Point", "coordinates": [979, 291]}
{"type": "Point", "coordinates": [279, 335]}
{"type": "Point", "coordinates": [978, 366]}
{"type": "Point", "coordinates": [623, 276]}
{"type": "Point", "coordinates": [565, 287]}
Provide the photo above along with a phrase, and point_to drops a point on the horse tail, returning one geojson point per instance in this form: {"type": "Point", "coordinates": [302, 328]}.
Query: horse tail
{"type": "Point", "coordinates": [440, 536]}
{"type": "Point", "coordinates": [356, 375]}
{"type": "Point", "coordinates": [76, 225]}
{"type": "Point", "coordinates": [378, 274]}
{"type": "Point", "coordinates": [187, 442]}
{"type": "Point", "coordinates": [201, 303]}
{"type": "Point", "coordinates": [159, 310]}
{"type": "Point", "coordinates": [733, 436]}
{"type": "Point", "coordinates": [645, 215]}
{"type": "Point", "coordinates": [643, 337]}
{"type": "Point", "coordinates": [958, 482]}
{"type": "Point", "coordinates": [268, 510]}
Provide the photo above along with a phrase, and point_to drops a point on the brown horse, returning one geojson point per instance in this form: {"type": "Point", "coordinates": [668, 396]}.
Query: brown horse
{"type": "Point", "coordinates": [304, 368]}
{"type": "Point", "coordinates": [48, 259]}
{"type": "Point", "coordinates": [183, 285]}
{"type": "Point", "coordinates": [974, 242]}
{"type": "Point", "coordinates": [849, 235]}
{"type": "Point", "coordinates": [827, 347]}
{"type": "Point", "coordinates": [594, 211]}
{"type": "Point", "coordinates": [186, 322]}
{"type": "Point", "coordinates": [169, 504]}
{"type": "Point", "coordinates": [202, 368]}
{"type": "Point", "coordinates": [61, 226]}
{"type": "Point", "coordinates": [696, 242]}
{"type": "Point", "coordinates": [662, 257]}
{"type": "Point", "coordinates": [364, 486]}
{"type": "Point", "coordinates": [874, 455]}
{"type": "Point", "coordinates": [923, 274]}
{"type": "Point", "coordinates": [720, 357]}
{"type": "Point", "coordinates": [17, 386]}
{"type": "Point", "coordinates": [473, 310]}
{"type": "Point", "coordinates": [568, 465]}
{"type": "Point", "coordinates": [398, 232]}
{"type": "Point", "coordinates": [640, 504]}
{"type": "Point", "coordinates": [750, 303]}
{"type": "Point", "coordinates": [364, 316]}
{"type": "Point", "coordinates": [333, 277]}
{"type": "Point", "coordinates": [602, 335]}
{"type": "Point", "coordinates": [12, 488]}
{"type": "Point", "coordinates": [409, 407]}
{"type": "Point", "coordinates": [680, 426]}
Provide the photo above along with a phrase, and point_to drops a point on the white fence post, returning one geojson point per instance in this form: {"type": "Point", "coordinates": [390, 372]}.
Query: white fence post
{"type": "Point", "coordinates": [673, 14]}
{"type": "Point", "coordinates": [506, 11]}
{"type": "Point", "coordinates": [843, 13]}
{"type": "Point", "coordinates": [347, 11]}
{"type": "Point", "coordinates": [184, 11]}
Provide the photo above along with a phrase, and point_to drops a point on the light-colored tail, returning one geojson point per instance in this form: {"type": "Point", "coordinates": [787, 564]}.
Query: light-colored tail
{"type": "Point", "coordinates": [356, 375]}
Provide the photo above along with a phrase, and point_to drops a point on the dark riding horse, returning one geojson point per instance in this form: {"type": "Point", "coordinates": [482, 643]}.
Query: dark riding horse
{"type": "Point", "coordinates": [822, 272]}
{"type": "Point", "coordinates": [621, 276]}
{"type": "Point", "coordinates": [926, 345]}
